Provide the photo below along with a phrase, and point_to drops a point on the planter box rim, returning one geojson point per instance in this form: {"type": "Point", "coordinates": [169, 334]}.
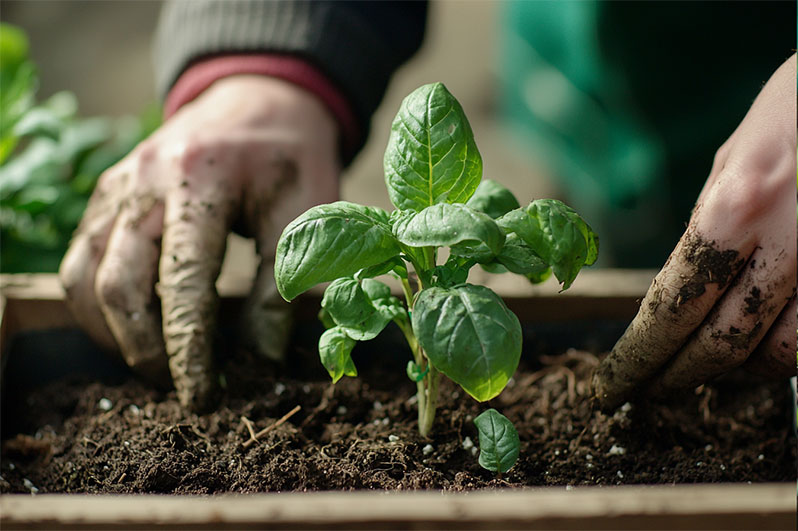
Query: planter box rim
{"type": "Point", "coordinates": [708, 506]}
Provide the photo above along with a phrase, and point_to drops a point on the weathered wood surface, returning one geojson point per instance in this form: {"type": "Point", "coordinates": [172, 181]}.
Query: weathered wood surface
{"type": "Point", "coordinates": [602, 283]}
{"type": "Point", "coordinates": [766, 506]}
{"type": "Point", "coordinates": [35, 302]}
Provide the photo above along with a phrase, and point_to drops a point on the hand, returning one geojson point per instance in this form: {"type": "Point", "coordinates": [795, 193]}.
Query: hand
{"type": "Point", "coordinates": [726, 296]}
{"type": "Point", "coordinates": [250, 151]}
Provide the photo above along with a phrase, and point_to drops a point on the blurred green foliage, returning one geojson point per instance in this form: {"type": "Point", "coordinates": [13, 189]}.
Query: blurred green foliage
{"type": "Point", "coordinates": [50, 160]}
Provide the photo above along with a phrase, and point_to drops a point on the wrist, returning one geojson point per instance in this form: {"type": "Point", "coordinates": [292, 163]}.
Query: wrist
{"type": "Point", "coordinates": [201, 75]}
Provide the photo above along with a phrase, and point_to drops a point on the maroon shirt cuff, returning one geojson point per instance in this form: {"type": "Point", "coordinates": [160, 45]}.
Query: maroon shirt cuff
{"type": "Point", "coordinates": [199, 76]}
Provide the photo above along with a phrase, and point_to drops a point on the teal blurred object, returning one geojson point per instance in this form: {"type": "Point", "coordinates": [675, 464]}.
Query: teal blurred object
{"type": "Point", "coordinates": [625, 103]}
{"type": "Point", "coordinates": [50, 160]}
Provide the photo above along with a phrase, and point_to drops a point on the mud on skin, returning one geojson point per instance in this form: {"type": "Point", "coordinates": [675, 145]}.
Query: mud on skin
{"type": "Point", "coordinates": [710, 266]}
{"type": "Point", "coordinates": [647, 344]}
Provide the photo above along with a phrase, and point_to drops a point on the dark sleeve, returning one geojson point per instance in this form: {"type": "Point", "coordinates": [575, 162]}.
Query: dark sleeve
{"type": "Point", "coordinates": [357, 45]}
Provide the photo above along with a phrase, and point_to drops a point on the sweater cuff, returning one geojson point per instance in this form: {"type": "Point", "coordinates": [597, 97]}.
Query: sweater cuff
{"type": "Point", "coordinates": [201, 75]}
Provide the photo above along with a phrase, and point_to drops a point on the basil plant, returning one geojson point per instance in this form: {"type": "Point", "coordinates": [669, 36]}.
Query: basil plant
{"type": "Point", "coordinates": [433, 172]}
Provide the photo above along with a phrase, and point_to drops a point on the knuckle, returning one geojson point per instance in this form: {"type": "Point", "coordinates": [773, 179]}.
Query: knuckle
{"type": "Point", "coordinates": [719, 160]}
{"type": "Point", "coordinates": [111, 291]}
{"type": "Point", "coordinates": [675, 303]}
{"type": "Point", "coordinates": [742, 198]}
{"type": "Point", "coordinates": [748, 193]}
{"type": "Point", "coordinates": [74, 267]}
{"type": "Point", "coordinates": [69, 274]}
{"type": "Point", "coordinates": [147, 150]}
{"type": "Point", "coordinates": [192, 154]}
{"type": "Point", "coordinates": [725, 349]}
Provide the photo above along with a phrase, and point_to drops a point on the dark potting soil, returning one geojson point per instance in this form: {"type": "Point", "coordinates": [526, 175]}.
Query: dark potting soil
{"type": "Point", "coordinates": [82, 436]}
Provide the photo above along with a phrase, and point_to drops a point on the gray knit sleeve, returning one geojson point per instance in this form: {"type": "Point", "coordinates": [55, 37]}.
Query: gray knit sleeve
{"type": "Point", "coordinates": [357, 45]}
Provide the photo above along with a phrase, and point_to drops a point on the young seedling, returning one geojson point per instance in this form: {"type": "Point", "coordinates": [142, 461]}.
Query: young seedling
{"type": "Point", "coordinates": [498, 442]}
{"type": "Point", "coordinates": [465, 332]}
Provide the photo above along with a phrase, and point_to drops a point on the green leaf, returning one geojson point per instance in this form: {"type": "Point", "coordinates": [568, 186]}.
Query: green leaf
{"type": "Point", "coordinates": [431, 155]}
{"type": "Point", "coordinates": [392, 265]}
{"type": "Point", "coordinates": [335, 349]}
{"type": "Point", "coordinates": [448, 275]}
{"type": "Point", "coordinates": [39, 162]}
{"type": "Point", "coordinates": [499, 444]}
{"type": "Point", "coordinates": [351, 309]}
{"type": "Point", "coordinates": [329, 242]}
{"type": "Point", "coordinates": [13, 45]}
{"type": "Point", "coordinates": [361, 309]}
{"type": "Point", "coordinates": [470, 336]}
{"type": "Point", "coordinates": [493, 199]}
{"type": "Point", "coordinates": [38, 121]}
{"type": "Point", "coordinates": [374, 289]}
{"type": "Point", "coordinates": [592, 247]}
{"type": "Point", "coordinates": [18, 82]}
{"type": "Point", "coordinates": [494, 268]}
{"type": "Point", "coordinates": [556, 233]}
{"type": "Point", "coordinates": [446, 225]}
{"type": "Point", "coordinates": [519, 258]}
{"type": "Point", "coordinates": [379, 295]}
{"type": "Point", "coordinates": [537, 278]}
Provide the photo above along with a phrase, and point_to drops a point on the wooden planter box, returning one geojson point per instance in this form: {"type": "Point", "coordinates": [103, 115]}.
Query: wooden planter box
{"type": "Point", "coordinates": [35, 302]}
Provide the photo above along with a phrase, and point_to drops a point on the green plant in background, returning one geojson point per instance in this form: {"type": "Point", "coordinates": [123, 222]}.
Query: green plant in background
{"type": "Point", "coordinates": [50, 160]}
{"type": "Point", "coordinates": [433, 172]}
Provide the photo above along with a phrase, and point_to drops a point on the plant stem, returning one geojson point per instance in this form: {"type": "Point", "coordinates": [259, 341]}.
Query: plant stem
{"type": "Point", "coordinates": [427, 388]}
{"type": "Point", "coordinates": [430, 254]}
{"type": "Point", "coordinates": [408, 293]}
{"type": "Point", "coordinates": [426, 410]}
{"type": "Point", "coordinates": [424, 418]}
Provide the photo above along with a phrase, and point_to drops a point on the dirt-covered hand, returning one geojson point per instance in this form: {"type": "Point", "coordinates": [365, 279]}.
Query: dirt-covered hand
{"type": "Point", "coordinates": [726, 296]}
{"type": "Point", "coordinates": [249, 153]}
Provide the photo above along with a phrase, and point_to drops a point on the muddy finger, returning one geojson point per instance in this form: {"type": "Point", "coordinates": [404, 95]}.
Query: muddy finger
{"type": "Point", "coordinates": [734, 327]}
{"type": "Point", "coordinates": [125, 287]}
{"type": "Point", "coordinates": [775, 355]}
{"type": "Point", "coordinates": [77, 274]}
{"type": "Point", "coordinates": [197, 219]}
{"type": "Point", "coordinates": [78, 268]}
{"type": "Point", "coordinates": [682, 294]}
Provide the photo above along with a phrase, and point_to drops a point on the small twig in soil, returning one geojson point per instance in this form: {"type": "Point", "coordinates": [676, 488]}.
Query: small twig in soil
{"type": "Point", "coordinates": [574, 444]}
{"type": "Point", "coordinates": [254, 438]}
{"type": "Point", "coordinates": [248, 424]}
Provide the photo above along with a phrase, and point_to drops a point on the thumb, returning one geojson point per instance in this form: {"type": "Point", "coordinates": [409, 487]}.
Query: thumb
{"type": "Point", "coordinates": [267, 318]}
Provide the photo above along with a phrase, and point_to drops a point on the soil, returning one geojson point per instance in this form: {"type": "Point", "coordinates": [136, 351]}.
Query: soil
{"type": "Point", "coordinates": [79, 435]}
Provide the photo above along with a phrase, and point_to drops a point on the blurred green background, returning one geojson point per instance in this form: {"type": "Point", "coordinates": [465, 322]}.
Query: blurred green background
{"type": "Point", "coordinates": [50, 159]}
